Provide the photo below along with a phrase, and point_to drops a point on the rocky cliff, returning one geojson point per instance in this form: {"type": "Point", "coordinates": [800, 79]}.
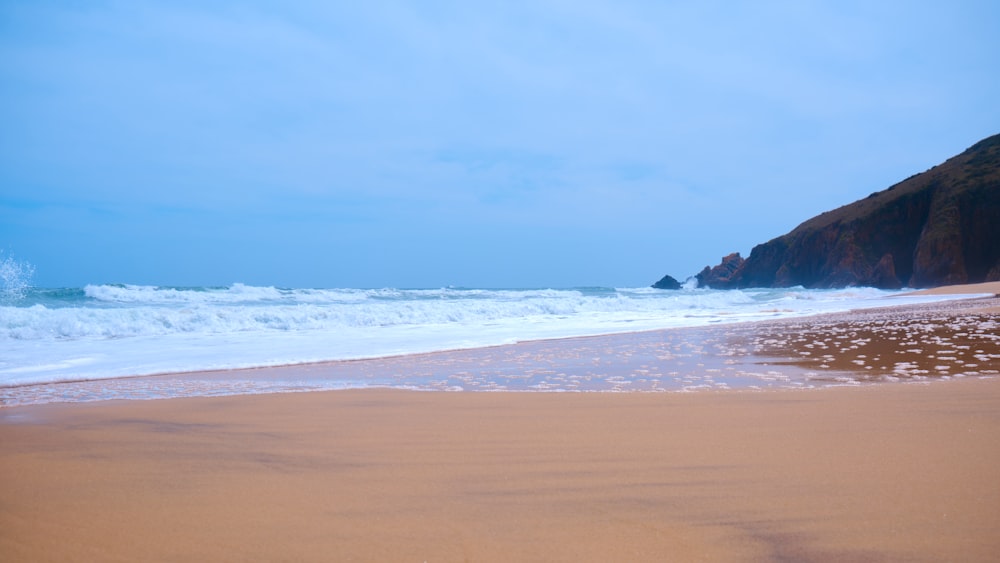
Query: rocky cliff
{"type": "Point", "coordinates": [939, 227]}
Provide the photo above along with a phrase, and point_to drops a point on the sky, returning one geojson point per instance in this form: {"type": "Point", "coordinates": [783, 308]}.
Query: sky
{"type": "Point", "coordinates": [470, 144]}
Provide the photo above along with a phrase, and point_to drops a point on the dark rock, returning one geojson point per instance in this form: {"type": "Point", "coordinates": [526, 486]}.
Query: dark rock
{"type": "Point", "coordinates": [884, 275]}
{"type": "Point", "coordinates": [994, 273]}
{"type": "Point", "coordinates": [939, 227]}
{"type": "Point", "coordinates": [723, 275]}
{"type": "Point", "coordinates": [667, 282]}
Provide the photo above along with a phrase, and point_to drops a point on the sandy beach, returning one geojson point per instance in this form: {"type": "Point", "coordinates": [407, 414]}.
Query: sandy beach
{"type": "Point", "coordinates": [985, 288]}
{"type": "Point", "coordinates": [886, 472]}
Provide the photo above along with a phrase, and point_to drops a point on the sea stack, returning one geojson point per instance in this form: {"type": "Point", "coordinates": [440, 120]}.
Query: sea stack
{"type": "Point", "coordinates": [667, 282]}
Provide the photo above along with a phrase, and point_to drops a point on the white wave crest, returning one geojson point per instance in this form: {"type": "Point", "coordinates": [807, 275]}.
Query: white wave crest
{"type": "Point", "coordinates": [126, 311]}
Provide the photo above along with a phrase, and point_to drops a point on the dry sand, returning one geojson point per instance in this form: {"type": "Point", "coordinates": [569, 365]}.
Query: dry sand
{"type": "Point", "coordinates": [871, 473]}
{"type": "Point", "coordinates": [985, 288]}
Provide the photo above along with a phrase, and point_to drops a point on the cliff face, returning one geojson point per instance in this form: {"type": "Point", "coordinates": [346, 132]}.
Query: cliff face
{"type": "Point", "coordinates": [936, 228]}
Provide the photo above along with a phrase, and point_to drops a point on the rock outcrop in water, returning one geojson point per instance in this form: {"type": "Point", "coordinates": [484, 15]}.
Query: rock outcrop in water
{"type": "Point", "coordinates": [721, 275]}
{"type": "Point", "coordinates": [939, 227]}
{"type": "Point", "coordinates": [667, 282]}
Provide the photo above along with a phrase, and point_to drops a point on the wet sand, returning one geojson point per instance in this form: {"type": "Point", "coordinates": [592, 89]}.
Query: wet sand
{"type": "Point", "coordinates": [901, 471]}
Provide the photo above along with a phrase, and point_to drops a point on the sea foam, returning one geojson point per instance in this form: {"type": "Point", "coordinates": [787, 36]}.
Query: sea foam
{"type": "Point", "coordinates": [103, 331]}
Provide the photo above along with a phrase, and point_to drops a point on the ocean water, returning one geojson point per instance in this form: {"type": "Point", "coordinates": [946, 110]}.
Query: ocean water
{"type": "Point", "coordinates": [113, 331]}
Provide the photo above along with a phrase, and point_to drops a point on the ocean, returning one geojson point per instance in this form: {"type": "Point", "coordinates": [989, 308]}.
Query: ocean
{"type": "Point", "coordinates": [103, 332]}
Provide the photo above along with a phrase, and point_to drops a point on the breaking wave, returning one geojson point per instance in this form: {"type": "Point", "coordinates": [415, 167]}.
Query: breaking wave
{"type": "Point", "coordinates": [15, 279]}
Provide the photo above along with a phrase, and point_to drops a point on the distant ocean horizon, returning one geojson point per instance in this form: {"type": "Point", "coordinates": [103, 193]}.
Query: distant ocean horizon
{"type": "Point", "coordinates": [118, 330]}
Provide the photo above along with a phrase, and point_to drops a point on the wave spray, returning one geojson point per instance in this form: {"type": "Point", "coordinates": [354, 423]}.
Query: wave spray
{"type": "Point", "coordinates": [15, 279]}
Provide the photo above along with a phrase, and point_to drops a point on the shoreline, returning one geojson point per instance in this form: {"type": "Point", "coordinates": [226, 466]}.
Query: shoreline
{"type": "Point", "coordinates": [718, 356]}
{"type": "Point", "coordinates": [75, 360]}
{"type": "Point", "coordinates": [848, 471]}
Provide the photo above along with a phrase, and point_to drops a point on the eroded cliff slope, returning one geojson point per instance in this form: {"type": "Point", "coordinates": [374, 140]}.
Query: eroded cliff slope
{"type": "Point", "coordinates": [935, 228]}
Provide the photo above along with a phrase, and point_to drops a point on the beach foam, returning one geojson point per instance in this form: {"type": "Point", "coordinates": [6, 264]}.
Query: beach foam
{"type": "Point", "coordinates": [108, 331]}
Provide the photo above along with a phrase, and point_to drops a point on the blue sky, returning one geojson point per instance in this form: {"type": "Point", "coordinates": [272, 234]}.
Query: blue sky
{"type": "Point", "coordinates": [486, 144]}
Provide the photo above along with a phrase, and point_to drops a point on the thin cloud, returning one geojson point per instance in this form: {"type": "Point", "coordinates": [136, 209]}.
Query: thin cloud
{"type": "Point", "coordinates": [543, 127]}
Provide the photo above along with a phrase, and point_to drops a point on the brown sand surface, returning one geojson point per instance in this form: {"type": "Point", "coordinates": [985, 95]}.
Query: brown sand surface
{"type": "Point", "coordinates": [959, 338]}
{"type": "Point", "coordinates": [965, 289]}
{"type": "Point", "coordinates": [872, 473]}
